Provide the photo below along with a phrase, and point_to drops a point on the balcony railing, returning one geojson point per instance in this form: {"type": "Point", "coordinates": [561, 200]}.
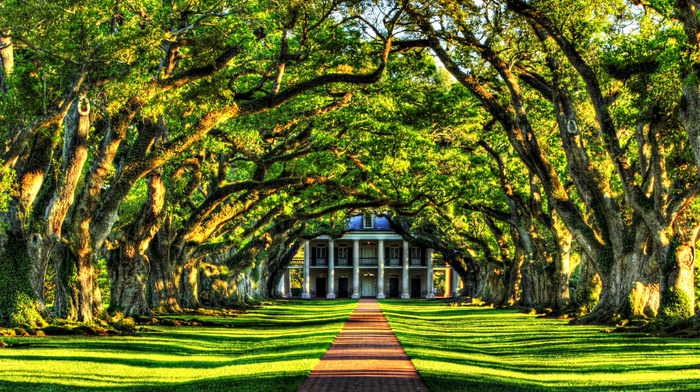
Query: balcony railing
{"type": "Point", "coordinates": [368, 261]}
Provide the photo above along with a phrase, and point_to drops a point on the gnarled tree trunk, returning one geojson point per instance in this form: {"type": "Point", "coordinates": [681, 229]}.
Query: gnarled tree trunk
{"type": "Point", "coordinates": [677, 272]}
{"type": "Point", "coordinates": [129, 270]}
{"type": "Point", "coordinates": [165, 283]}
{"type": "Point", "coordinates": [18, 305]}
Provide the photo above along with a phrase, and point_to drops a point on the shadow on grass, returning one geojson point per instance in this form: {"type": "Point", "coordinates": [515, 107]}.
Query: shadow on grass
{"type": "Point", "coordinates": [482, 349]}
{"type": "Point", "coordinates": [288, 382]}
{"type": "Point", "coordinates": [270, 349]}
{"type": "Point", "coordinates": [449, 382]}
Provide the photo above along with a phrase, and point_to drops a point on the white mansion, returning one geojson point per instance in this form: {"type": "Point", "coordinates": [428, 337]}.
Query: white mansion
{"type": "Point", "coordinates": [370, 260]}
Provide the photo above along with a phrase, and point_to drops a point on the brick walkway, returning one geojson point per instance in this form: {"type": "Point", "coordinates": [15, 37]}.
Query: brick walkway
{"type": "Point", "coordinates": [366, 357]}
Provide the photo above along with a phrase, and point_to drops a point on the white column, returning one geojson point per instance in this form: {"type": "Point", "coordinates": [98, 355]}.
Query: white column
{"type": "Point", "coordinates": [356, 269]}
{"type": "Point", "coordinates": [380, 270]}
{"type": "Point", "coordinates": [331, 271]}
{"type": "Point", "coordinates": [454, 286]}
{"type": "Point", "coordinates": [305, 285]}
{"type": "Point", "coordinates": [429, 256]}
{"type": "Point", "coordinates": [405, 294]}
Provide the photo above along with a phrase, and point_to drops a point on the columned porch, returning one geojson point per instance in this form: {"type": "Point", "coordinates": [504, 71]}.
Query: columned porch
{"type": "Point", "coordinates": [369, 268]}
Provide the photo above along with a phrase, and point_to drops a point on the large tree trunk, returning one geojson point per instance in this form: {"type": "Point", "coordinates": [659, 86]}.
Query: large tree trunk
{"type": "Point", "coordinates": [589, 286]}
{"type": "Point", "coordinates": [74, 288]}
{"type": "Point", "coordinates": [491, 286]}
{"type": "Point", "coordinates": [605, 238]}
{"type": "Point", "coordinates": [130, 270]}
{"type": "Point", "coordinates": [265, 286]}
{"type": "Point", "coordinates": [562, 270]}
{"type": "Point", "coordinates": [32, 170]}
{"type": "Point", "coordinates": [77, 126]}
{"type": "Point", "coordinates": [630, 288]}
{"type": "Point", "coordinates": [542, 293]}
{"type": "Point", "coordinates": [32, 173]}
{"type": "Point", "coordinates": [165, 284]}
{"type": "Point", "coordinates": [272, 269]}
{"type": "Point", "coordinates": [281, 269]}
{"type": "Point", "coordinates": [17, 298]}
{"type": "Point", "coordinates": [677, 272]}
{"type": "Point", "coordinates": [525, 250]}
{"type": "Point", "coordinates": [189, 285]}
{"type": "Point", "coordinates": [689, 108]}
{"type": "Point", "coordinates": [213, 287]}
{"type": "Point", "coordinates": [240, 285]}
{"type": "Point", "coordinates": [513, 279]}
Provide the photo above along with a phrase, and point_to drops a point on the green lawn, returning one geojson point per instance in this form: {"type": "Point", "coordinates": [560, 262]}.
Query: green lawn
{"type": "Point", "coordinates": [482, 349]}
{"type": "Point", "coordinates": [272, 349]}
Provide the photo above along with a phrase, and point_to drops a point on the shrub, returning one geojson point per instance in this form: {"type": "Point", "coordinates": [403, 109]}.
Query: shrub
{"type": "Point", "coordinates": [675, 305]}
{"type": "Point", "coordinates": [125, 325]}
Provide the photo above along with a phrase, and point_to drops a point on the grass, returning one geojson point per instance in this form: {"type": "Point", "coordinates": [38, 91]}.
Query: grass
{"type": "Point", "coordinates": [271, 349]}
{"type": "Point", "coordinates": [275, 348]}
{"type": "Point", "coordinates": [482, 349]}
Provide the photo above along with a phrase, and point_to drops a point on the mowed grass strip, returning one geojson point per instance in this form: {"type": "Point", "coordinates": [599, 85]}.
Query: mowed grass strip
{"type": "Point", "coordinates": [271, 349]}
{"type": "Point", "coordinates": [484, 349]}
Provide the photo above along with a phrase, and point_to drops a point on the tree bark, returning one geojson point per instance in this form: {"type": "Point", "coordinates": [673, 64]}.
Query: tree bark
{"type": "Point", "coordinates": [189, 285]}
{"type": "Point", "coordinates": [274, 270]}
{"type": "Point", "coordinates": [18, 307]}
{"type": "Point", "coordinates": [130, 271]}
{"type": "Point", "coordinates": [606, 239]}
{"type": "Point", "coordinates": [165, 283]}
{"type": "Point", "coordinates": [513, 282]}
{"type": "Point", "coordinates": [562, 272]}
{"type": "Point", "coordinates": [7, 62]}
{"type": "Point", "coordinates": [74, 288]}
{"type": "Point", "coordinates": [631, 287]}
{"type": "Point", "coordinates": [589, 286]}
{"type": "Point", "coordinates": [677, 272]}
{"type": "Point", "coordinates": [77, 126]}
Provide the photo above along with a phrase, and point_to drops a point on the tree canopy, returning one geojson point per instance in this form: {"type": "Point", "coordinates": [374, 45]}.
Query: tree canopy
{"type": "Point", "coordinates": [549, 151]}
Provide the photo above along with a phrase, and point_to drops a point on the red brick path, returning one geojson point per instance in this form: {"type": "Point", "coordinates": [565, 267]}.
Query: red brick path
{"type": "Point", "coordinates": [365, 357]}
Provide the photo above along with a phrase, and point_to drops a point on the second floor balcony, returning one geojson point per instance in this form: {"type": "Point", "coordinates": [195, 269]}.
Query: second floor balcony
{"type": "Point", "coordinates": [368, 261]}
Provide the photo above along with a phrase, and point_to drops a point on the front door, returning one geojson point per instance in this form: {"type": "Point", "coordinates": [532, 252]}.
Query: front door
{"type": "Point", "coordinates": [343, 287]}
{"type": "Point", "coordinates": [369, 287]}
{"type": "Point", "coordinates": [415, 288]}
{"type": "Point", "coordinates": [321, 287]}
{"type": "Point", "coordinates": [393, 287]}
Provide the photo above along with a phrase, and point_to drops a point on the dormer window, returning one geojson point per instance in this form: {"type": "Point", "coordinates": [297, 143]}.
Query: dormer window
{"type": "Point", "coordinates": [368, 221]}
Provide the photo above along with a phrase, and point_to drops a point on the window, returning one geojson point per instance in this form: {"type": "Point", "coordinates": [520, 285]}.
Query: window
{"type": "Point", "coordinates": [368, 221]}
{"type": "Point", "coordinates": [321, 252]}
{"type": "Point", "coordinates": [394, 256]}
{"type": "Point", "coordinates": [343, 253]}
{"type": "Point", "coordinates": [415, 255]}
